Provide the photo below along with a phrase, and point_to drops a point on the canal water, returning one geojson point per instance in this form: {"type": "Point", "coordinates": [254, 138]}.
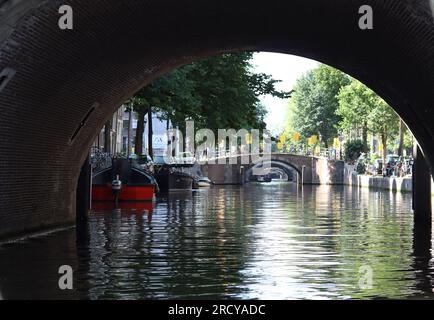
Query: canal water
{"type": "Point", "coordinates": [260, 241]}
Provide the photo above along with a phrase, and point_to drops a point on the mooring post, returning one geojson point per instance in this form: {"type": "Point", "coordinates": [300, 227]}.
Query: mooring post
{"type": "Point", "coordinates": [84, 191]}
{"type": "Point", "coordinates": [302, 175]}
{"type": "Point", "coordinates": [421, 203]}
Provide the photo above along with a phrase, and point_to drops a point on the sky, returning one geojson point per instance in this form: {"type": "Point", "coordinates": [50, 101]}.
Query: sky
{"type": "Point", "coordinates": [283, 67]}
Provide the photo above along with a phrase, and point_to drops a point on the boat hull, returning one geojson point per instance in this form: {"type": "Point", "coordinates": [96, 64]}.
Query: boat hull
{"type": "Point", "coordinates": [135, 184]}
{"type": "Point", "coordinates": [202, 184]}
{"type": "Point", "coordinates": [127, 193]}
{"type": "Point", "coordinates": [174, 181]}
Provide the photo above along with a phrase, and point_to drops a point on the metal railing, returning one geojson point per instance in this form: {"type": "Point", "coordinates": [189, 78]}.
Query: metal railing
{"type": "Point", "coordinates": [330, 154]}
{"type": "Point", "coordinates": [100, 160]}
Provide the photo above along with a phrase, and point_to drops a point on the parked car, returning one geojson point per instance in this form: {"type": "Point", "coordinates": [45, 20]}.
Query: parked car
{"type": "Point", "coordinates": [163, 160]}
{"type": "Point", "coordinates": [392, 158]}
{"type": "Point", "coordinates": [185, 158]}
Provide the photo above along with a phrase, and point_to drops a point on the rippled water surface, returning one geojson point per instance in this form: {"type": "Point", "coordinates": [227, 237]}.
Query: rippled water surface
{"type": "Point", "coordinates": [266, 241]}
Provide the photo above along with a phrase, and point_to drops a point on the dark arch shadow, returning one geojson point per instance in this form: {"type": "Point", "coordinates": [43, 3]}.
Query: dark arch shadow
{"type": "Point", "coordinates": [287, 167]}
{"type": "Point", "coordinates": [72, 81]}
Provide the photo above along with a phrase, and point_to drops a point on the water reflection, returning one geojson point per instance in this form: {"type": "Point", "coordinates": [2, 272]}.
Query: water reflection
{"type": "Point", "coordinates": [29, 269]}
{"type": "Point", "coordinates": [272, 241]}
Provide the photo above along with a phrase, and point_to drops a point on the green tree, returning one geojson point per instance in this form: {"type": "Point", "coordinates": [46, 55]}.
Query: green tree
{"type": "Point", "coordinates": [218, 92]}
{"type": "Point", "coordinates": [353, 150]}
{"type": "Point", "coordinates": [290, 122]}
{"type": "Point", "coordinates": [315, 99]}
{"type": "Point", "coordinates": [230, 92]}
{"type": "Point", "coordinates": [355, 103]}
{"type": "Point", "coordinates": [360, 107]}
{"type": "Point", "coordinates": [169, 95]}
{"type": "Point", "coordinates": [383, 121]}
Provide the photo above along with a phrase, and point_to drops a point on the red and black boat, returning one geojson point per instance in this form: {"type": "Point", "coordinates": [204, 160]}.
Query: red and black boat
{"type": "Point", "coordinates": [123, 181]}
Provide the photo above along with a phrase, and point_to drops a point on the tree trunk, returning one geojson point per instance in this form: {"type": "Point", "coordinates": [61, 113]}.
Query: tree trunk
{"type": "Point", "coordinates": [401, 138]}
{"type": "Point", "coordinates": [384, 142]}
{"type": "Point", "coordinates": [150, 149]}
{"type": "Point", "coordinates": [130, 129]}
{"type": "Point", "coordinates": [139, 133]}
{"type": "Point", "coordinates": [169, 142]}
{"type": "Point", "coordinates": [115, 133]}
{"type": "Point", "coordinates": [108, 136]}
{"type": "Point", "coordinates": [365, 137]}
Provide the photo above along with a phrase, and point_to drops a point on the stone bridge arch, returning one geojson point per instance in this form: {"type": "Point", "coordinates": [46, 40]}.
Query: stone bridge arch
{"type": "Point", "coordinates": [58, 87]}
{"type": "Point", "coordinates": [288, 168]}
{"type": "Point", "coordinates": [310, 170]}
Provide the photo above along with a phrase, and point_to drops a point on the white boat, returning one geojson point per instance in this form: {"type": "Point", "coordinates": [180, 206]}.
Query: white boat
{"type": "Point", "coordinates": [204, 182]}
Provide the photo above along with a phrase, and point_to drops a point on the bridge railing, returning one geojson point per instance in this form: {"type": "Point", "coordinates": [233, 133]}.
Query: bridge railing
{"type": "Point", "coordinates": [100, 160]}
{"type": "Point", "coordinates": [329, 153]}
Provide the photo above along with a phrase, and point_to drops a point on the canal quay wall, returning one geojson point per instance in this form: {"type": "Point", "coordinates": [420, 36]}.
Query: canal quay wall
{"type": "Point", "coordinates": [320, 171]}
{"type": "Point", "coordinates": [395, 184]}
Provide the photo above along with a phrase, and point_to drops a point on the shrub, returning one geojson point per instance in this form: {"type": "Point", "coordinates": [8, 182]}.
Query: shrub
{"type": "Point", "coordinates": [353, 150]}
{"type": "Point", "coordinates": [361, 167]}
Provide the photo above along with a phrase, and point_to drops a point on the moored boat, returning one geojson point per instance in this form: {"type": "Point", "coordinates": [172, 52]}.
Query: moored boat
{"type": "Point", "coordinates": [203, 182]}
{"type": "Point", "coordinates": [265, 178]}
{"type": "Point", "coordinates": [169, 179]}
{"type": "Point", "coordinates": [123, 182]}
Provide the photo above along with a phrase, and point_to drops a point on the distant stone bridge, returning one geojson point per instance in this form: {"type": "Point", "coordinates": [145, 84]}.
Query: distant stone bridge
{"type": "Point", "coordinates": [310, 170]}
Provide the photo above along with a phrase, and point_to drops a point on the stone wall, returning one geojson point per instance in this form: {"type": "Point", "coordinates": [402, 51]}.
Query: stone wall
{"type": "Point", "coordinates": [327, 171]}
{"type": "Point", "coordinates": [223, 174]}
{"type": "Point", "coordinates": [378, 182]}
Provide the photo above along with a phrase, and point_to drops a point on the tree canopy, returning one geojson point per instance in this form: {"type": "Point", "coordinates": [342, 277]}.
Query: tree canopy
{"type": "Point", "coordinates": [218, 92]}
{"type": "Point", "coordinates": [221, 92]}
{"type": "Point", "coordinates": [329, 103]}
{"type": "Point", "coordinates": [315, 102]}
{"type": "Point", "coordinates": [360, 107]}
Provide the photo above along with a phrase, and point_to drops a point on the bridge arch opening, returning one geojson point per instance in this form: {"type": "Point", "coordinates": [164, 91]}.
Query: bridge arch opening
{"type": "Point", "coordinates": [273, 169]}
{"type": "Point", "coordinates": [74, 80]}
